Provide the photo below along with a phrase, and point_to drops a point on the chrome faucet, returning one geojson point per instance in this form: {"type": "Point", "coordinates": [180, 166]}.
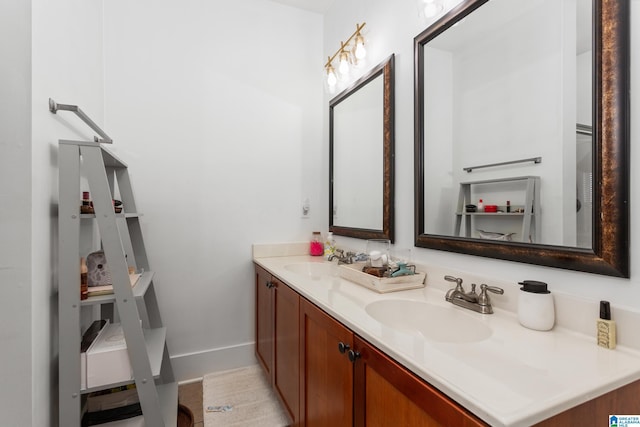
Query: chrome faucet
{"type": "Point", "coordinates": [471, 300]}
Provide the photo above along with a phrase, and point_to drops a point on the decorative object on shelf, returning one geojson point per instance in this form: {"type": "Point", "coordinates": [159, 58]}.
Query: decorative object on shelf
{"type": "Point", "coordinates": [87, 205]}
{"type": "Point", "coordinates": [97, 270]}
{"type": "Point", "coordinates": [492, 235]}
{"type": "Point", "coordinates": [348, 55]}
{"type": "Point", "coordinates": [84, 280]}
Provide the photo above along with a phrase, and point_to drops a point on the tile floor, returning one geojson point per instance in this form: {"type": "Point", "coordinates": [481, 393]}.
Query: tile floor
{"type": "Point", "coordinates": [190, 395]}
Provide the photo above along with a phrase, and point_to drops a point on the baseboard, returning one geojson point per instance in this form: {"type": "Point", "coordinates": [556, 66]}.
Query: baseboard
{"type": "Point", "coordinates": [190, 367]}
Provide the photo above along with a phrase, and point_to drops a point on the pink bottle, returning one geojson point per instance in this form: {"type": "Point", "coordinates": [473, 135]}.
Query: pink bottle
{"type": "Point", "coordinates": [316, 248]}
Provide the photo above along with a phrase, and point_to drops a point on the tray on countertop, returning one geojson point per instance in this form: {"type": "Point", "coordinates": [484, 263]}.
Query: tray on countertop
{"type": "Point", "coordinates": [354, 273]}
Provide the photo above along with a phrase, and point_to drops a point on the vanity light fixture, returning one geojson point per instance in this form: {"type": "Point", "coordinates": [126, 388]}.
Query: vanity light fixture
{"type": "Point", "coordinates": [347, 56]}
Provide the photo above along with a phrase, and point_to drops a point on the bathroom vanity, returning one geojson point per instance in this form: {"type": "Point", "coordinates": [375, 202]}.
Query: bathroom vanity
{"type": "Point", "coordinates": [339, 354]}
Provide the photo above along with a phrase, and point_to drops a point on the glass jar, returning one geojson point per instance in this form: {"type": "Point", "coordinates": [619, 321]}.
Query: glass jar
{"type": "Point", "coordinates": [316, 247]}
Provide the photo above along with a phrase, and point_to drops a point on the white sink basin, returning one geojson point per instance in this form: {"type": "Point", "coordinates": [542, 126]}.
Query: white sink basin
{"type": "Point", "coordinates": [313, 270]}
{"type": "Point", "coordinates": [444, 324]}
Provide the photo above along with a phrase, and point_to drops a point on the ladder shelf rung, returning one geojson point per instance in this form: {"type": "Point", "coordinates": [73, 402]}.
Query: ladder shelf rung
{"type": "Point", "coordinates": [139, 289]}
{"type": "Point", "coordinates": [118, 215]}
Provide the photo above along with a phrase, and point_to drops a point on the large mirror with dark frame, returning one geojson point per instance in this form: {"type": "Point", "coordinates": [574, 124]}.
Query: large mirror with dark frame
{"type": "Point", "coordinates": [522, 133]}
{"type": "Point", "coordinates": [361, 151]}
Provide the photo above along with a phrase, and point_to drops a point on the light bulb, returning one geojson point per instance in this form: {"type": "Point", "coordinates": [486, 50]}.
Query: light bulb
{"type": "Point", "coordinates": [343, 67]}
{"type": "Point", "coordinates": [432, 8]}
{"type": "Point", "coordinates": [331, 78]}
{"type": "Point", "coordinates": [361, 52]}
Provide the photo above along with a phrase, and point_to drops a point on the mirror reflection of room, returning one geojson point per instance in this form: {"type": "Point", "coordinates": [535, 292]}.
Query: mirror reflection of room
{"type": "Point", "coordinates": [361, 156]}
{"type": "Point", "coordinates": [500, 88]}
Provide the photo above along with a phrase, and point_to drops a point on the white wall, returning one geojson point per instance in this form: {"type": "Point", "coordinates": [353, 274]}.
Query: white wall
{"type": "Point", "coordinates": [15, 212]}
{"type": "Point", "coordinates": [51, 50]}
{"type": "Point", "coordinates": [67, 67]}
{"type": "Point", "coordinates": [392, 27]}
{"type": "Point", "coordinates": [217, 109]}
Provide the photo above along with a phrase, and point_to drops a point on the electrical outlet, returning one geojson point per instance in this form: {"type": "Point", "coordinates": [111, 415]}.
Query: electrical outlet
{"type": "Point", "coordinates": [306, 208]}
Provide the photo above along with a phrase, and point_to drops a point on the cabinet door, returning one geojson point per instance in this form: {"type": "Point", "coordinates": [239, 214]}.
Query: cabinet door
{"type": "Point", "coordinates": [326, 374]}
{"type": "Point", "coordinates": [264, 321]}
{"type": "Point", "coordinates": [287, 348]}
{"type": "Point", "coordinates": [387, 394]}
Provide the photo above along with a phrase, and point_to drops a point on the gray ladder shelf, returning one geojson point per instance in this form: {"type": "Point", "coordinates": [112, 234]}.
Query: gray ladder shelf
{"type": "Point", "coordinates": [530, 216]}
{"type": "Point", "coordinates": [136, 307]}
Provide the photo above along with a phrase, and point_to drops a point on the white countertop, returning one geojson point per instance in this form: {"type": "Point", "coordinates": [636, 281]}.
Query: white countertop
{"type": "Point", "coordinates": [516, 377]}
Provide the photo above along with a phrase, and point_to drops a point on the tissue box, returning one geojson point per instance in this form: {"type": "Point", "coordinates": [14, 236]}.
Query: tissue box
{"type": "Point", "coordinates": [107, 358]}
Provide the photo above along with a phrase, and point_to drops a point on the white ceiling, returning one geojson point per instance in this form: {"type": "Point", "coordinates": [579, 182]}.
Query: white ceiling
{"type": "Point", "coordinates": [319, 6]}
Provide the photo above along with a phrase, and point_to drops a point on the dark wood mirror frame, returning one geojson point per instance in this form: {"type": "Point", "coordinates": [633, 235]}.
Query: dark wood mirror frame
{"type": "Point", "coordinates": [386, 69]}
{"type": "Point", "coordinates": [610, 250]}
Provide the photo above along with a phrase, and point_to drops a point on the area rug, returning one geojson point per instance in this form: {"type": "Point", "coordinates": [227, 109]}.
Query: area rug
{"type": "Point", "coordinates": [241, 397]}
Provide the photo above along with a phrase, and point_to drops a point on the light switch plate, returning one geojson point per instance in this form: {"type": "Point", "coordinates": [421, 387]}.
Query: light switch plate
{"type": "Point", "coordinates": [306, 208]}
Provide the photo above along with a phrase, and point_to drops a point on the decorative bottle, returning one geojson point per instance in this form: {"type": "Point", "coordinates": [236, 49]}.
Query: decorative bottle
{"type": "Point", "coordinates": [606, 327]}
{"type": "Point", "coordinates": [329, 245]}
{"type": "Point", "coordinates": [316, 248]}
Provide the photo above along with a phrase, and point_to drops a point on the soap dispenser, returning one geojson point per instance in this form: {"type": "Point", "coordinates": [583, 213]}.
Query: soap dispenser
{"type": "Point", "coordinates": [535, 306]}
{"type": "Point", "coordinates": [329, 245]}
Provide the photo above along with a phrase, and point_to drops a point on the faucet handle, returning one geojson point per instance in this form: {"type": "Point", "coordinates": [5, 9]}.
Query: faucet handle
{"type": "Point", "coordinates": [457, 280]}
{"type": "Point", "coordinates": [483, 299]}
{"type": "Point", "coordinates": [473, 290]}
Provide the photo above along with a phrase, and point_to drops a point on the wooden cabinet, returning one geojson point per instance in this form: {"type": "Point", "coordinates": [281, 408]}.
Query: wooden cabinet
{"type": "Point", "coordinates": [277, 338]}
{"type": "Point", "coordinates": [387, 394]}
{"type": "Point", "coordinates": [347, 382]}
{"type": "Point", "coordinates": [286, 378]}
{"type": "Point", "coordinates": [624, 400]}
{"type": "Point", "coordinates": [264, 321]}
{"type": "Point", "coordinates": [326, 374]}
